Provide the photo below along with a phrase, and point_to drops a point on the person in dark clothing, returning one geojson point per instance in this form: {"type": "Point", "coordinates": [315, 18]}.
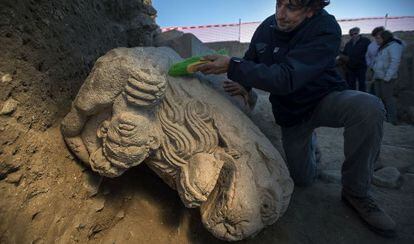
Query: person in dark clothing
{"type": "Point", "coordinates": [292, 55]}
{"type": "Point", "coordinates": [354, 52]}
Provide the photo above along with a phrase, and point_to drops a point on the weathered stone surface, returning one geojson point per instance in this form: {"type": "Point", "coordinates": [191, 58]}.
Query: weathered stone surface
{"type": "Point", "coordinates": [7, 167]}
{"type": "Point", "coordinates": [129, 111]}
{"type": "Point", "coordinates": [98, 204]}
{"type": "Point", "coordinates": [331, 176]}
{"type": "Point", "coordinates": [14, 178]}
{"type": "Point", "coordinates": [92, 184]}
{"type": "Point", "coordinates": [162, 38]}
{"type": "Point", "coordinates": [387, 177]}
{"type": "Point", "coordinates": [396, 156]}
{"type": "Point", "coordinates": [49, 47]}
{"type": "Point", "coordinates": [6, 78]}
{"type": "Point", "coordinates": [188, 45]}
{"type": "Point", "coordinates": [9, 106]}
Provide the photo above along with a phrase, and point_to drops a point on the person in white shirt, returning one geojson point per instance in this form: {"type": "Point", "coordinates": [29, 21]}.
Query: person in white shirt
{"type": "Point", "coordinates": [372, 52]}
{"type": "Point", "coordinates": [373, 47]}
{"type": "Point", "coordinates": [385, 68]}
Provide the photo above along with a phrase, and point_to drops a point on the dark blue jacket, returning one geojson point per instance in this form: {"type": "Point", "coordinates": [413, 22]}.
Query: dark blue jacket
{"type": "Point", "coordinates": [356, 53]}
{"type": "Point", "coordinates": [297, 68]}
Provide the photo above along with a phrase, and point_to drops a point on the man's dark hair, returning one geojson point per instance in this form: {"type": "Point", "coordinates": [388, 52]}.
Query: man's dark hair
{"type": "Point", "coordinates": [355, 30]}
{"type": "Point", "coordinates": [377, 30]}
{"type": "Point", "coordinates": [387, 35]}
{"type": "Point", "coordinates": [318, 4]}
{"type": "Point", "coordinates": [313, 4]}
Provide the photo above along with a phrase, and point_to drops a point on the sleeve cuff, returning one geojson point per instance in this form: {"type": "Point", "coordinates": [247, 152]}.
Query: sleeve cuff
{"type": "Point", "coordinates": [233, 67]}
{"type": "Point", "coordinates": [234, 73]}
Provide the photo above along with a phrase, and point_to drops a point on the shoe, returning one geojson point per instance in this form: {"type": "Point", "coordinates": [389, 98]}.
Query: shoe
{"type": "Point", "coordinates": [378, 221]}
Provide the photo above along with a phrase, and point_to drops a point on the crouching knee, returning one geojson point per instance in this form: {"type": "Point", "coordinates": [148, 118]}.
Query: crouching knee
{"type": "Point", "coordinates": [376, 109]}
{"type": "Point", "coordinates": [370, 109]}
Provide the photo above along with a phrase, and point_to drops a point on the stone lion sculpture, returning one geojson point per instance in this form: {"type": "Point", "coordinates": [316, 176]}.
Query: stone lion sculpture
{"type": "Point", "coordinates": [129, 112]}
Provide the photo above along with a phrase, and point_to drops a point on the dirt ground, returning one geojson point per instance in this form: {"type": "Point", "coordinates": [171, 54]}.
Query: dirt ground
{"type": "Point", "coordinates": [49, 197]}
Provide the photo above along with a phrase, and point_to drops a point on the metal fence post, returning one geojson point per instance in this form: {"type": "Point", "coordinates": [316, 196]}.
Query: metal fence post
{"type": "Point", "coordinates": [239, 30]}
{"type": "Point", "coordinates": [386, 21]}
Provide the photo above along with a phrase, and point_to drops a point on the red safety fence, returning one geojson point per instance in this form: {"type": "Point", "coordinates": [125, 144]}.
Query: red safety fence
{"type": "Point", "coordinates": [243, 32]}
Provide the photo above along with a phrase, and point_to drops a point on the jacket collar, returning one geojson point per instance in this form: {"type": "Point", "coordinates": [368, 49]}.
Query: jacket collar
{"type": "Point", "coordinates": [389, 42]}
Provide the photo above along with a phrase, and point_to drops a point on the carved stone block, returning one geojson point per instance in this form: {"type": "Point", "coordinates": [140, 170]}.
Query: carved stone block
{"type": "Point", "coordinates": [129, 112]}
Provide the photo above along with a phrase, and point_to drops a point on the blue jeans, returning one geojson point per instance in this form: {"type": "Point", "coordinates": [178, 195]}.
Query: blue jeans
{"type": "Point", "coordinates": [362, 116]}
{"type": "Point", "coordinates": [352, 76]}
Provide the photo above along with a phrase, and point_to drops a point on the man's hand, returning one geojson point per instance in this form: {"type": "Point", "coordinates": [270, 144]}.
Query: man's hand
{"type": "Point", "coordinates": [218, 64]}
{"type": "Point", "coordinates": [235, 89]}
{"type": "Point", "coordinates": [342, 59]}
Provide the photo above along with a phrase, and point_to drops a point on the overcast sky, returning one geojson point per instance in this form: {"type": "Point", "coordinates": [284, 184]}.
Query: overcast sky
{"type": "Point", "coordinates": [200, 12]}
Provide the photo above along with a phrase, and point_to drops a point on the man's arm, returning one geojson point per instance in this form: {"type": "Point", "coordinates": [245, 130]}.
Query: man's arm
{"type": "Point", "coordinates": [370, 55]}
{"type": "Point", "coordinates": [395, 53]}
{"type": "Point", "coordinates": [236, 89]}
{"type": "Point", "coordinates": [303, 64]}
{"type": "Point", "coordinates": [251, 54]}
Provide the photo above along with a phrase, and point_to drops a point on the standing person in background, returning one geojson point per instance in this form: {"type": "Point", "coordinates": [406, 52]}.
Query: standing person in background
{"type": "Point", "coordinates": [370, 58]}
{"type": "Point", "coordinates": [354, 53]}
{"type": "Point", "coordinates": [373, 47]}
{"type": "Point", "coordinates": [385, 68]}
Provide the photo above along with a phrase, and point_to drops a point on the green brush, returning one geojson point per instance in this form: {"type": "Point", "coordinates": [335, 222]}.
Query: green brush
{"type": "Point", "coordinates": [189, 65]}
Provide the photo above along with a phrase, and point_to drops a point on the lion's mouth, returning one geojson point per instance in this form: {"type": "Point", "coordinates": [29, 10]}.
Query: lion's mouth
{"type": "Point", "coordinates": [123, 156]}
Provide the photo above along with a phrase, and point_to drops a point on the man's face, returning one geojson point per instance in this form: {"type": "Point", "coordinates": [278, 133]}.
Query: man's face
{"type": "Point", "coordinates": [289, 14]}
{"type": "Point", "coordinates": [354, 35]}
